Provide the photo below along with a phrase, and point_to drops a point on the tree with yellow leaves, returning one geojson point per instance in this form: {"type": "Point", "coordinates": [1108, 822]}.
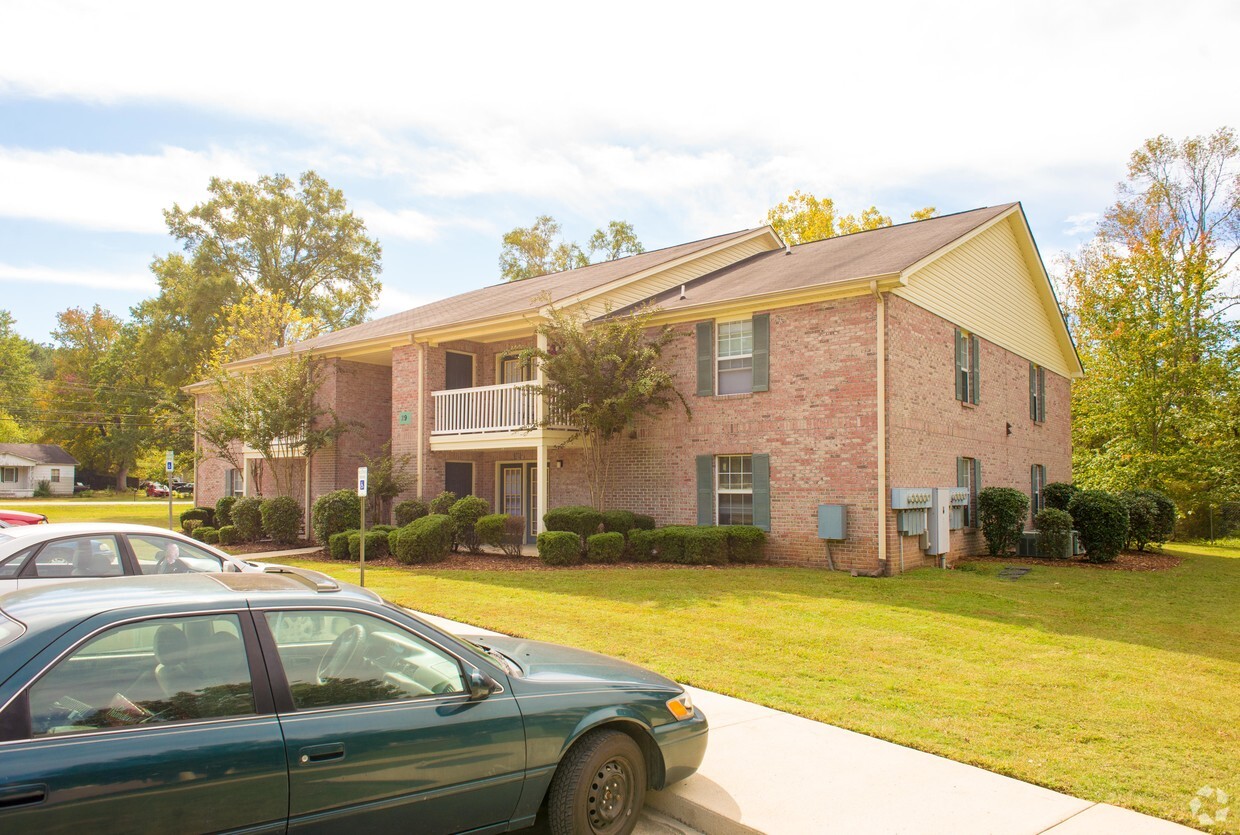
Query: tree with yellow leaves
{"type": "Point", "coordinates": [804, 218]}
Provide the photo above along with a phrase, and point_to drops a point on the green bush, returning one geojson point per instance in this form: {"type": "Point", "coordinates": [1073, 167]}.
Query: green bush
{"type": "Point", "coordinates": [643, 522]}
{"type": "Point", "coordinates": [247, 516]}
{"type": "Point", "coordinates": [669, 543]}
{"type": "Point", "coordinates": [338, 545]}
{"type": "Point", "coordinates": [281, 519]}
{"type": "Point", "coordinates": [706, 546]}
{"type": "Point", "coordinates": [1055, 527]}
{"type": "Point", "coordinates": [201, 531]}
{"type": "Point", "coordinates": [619, 521]}
{"type": "Point", "coordinates": [424, 540]}
{"type": "Point", "coordinates": [332, 513]}
{"type": "Point", "coordinates": [1002, 511]}
{"type": "Point", "coordinates": [502, 531]}
{"type": "Point", "coordinates": [384, 528]}
{"type": "Point", "coordinates": [1151, 517]}
{"type": "Point", "coordinates": [408, 510]}
{"type": "Point", "coordinates": [1058, 494]}
{"type": "Point", "coordinates": [223, 510]}
{"type": "Point", "coordinates": [746, 543]}
{"type": "Point", "coordinates": [640, 545]}
{"type": "Point", "coordinates": [559, 548]}
{"type": "Point", "coordinates": [441, 504]}
{"type": "Point", "coordinates": [605, 547]}
{"type": "Point", "coordinates": [1102, 521]}
{"type": "Point", "coordinates": [465, 513]}
{"type": "Point", "coordinates": [210, 535]}
{"type": "Point", "coordinates": [376, 545]}
{"type": "Point", "coordinates": [581, 520]}
{"type": "Point", "coordinates": [43, 489]}
{"type": "Point", "coordinates": [228, 535]}
{"type": "Point", "coordinates": [194, 514]}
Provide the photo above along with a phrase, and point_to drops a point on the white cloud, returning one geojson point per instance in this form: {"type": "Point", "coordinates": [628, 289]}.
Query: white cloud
{"type": "Point", "coordinates": [394, 300]}
{"type": "Point", "coordinates": [110, 192]}
{"type": "Point", "coordinates": [402, 223]}
{"type": "Point", "coordinates": [143, 282]}
{"type": "Point", "coordinates": [1083, 223]}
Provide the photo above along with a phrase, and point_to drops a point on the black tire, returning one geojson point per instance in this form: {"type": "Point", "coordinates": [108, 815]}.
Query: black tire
{"type": "Point", "coordinates": [599, 787]}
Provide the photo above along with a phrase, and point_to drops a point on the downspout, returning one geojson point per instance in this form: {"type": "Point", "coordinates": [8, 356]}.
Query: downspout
{"type": "Point", "coordinates": [421, 416]}
{"type": "Point", "coordinates": [880, 329]}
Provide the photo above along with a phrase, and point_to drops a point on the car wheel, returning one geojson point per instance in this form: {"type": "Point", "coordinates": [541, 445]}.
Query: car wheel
{"type": "Point", "coordinates": [599, 787]}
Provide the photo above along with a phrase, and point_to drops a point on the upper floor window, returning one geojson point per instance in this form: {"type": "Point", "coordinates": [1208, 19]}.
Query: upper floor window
{"type": "Point", "coordinates": [1037, 393]}
{"type": "Point", "coordinates": [735, 357]}
{"type": "Point", "coordinates": [967, 367]}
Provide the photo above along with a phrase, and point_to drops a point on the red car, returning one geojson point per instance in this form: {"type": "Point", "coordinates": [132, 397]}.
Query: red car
{"type": "Point", "coordinates": [156, 490]}
{"type": "Point", "coordinates": [21, 517]}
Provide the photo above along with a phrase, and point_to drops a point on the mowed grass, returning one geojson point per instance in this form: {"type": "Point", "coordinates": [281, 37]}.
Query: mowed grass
{"type": "Point", "coordinates": [1119, 687]}
{"type": "Point", "coordinates": [141, 512]}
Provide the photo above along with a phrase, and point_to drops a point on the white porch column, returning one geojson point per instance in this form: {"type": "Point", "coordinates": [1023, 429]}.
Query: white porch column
{"type": "Point", "coordinates": [541, 477]}
{"type": "Point", "coordinates": [540, 405]}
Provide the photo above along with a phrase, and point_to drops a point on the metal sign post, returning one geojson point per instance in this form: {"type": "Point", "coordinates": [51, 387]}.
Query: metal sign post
{"type": "Point", "coordinates": [361, 492]}
{"type": "Point", "coordinates": [168, 459]}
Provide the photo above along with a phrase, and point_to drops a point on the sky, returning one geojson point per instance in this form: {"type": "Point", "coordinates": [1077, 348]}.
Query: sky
{"type": "Point", "coordinates": [447, 125]}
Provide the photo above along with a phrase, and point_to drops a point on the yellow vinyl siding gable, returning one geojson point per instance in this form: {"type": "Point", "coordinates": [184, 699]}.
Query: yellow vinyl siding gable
{"type": "Point", "coordinates": [988, 286]}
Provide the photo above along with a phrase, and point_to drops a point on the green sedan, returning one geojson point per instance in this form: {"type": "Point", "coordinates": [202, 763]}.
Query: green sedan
{"type": "Point", "coordinates": [283, 702]}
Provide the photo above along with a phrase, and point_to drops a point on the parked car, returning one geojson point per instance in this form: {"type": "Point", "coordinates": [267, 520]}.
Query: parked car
{"type": "Point", "coordinates": [154, 488]}
{"type": "Point", "coordinates": [182, 488]}
{"type": "Point", "coordinates": [21, 517]}
{"type": "Point", "coordinates": [38, 555]}
{"type": "Point", "coordinates": [246, 701]}
{"type": "Point", "coordinates": [80, 487]}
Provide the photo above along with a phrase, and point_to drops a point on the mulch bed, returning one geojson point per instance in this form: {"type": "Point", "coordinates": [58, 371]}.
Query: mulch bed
{"type": "Point", "coordinates": [263, 547]}
{"type": "Point", "coordinates": [501, 562]}
{"type": "Point", "coordinates": [1126, 561]}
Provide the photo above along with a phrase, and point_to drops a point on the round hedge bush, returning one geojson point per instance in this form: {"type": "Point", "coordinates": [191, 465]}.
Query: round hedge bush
{"type": "Point", "coordinates": [746, 543]}
{"type": "Point", "coordinates": [223, 510]}
{"type": "Point", "coordinates": [581, 520]}
{"type": "Point", "coordinates": [281, 519]}
{"type": "Point", "coordinates": [338, 545]}
{"type": "Point", "coordinates": [247, 516]}
{"type": "Point", "coordinates": [465, 513]}
{"type": "Point", "coordinates": [376, 545]}
{"type": "Point", "coordinates": [201, 532]}
{"type": "Point", "coordinates": [1002, 512]}
{"type": "Point", "coordinates": [619, 521]}
{"type": "Point", "coordinates": [559, 548]}
{"type": "Point", "coordinates": [195, 514]}
{"type": "Point", "coordinates": [211, 536]}
{"type": "Point", "coordinates": [1058, 494]}
{"type": "Point", "coordinates": [640, 545]}
{"type": "Point", "coordinates": [706, 546]}
{"type": "Point", "coordinates": [332, 513]}
{"type": "Point", "coordinates": [1102, 521]}
{"type": "Point", "coordinates": [424, 540]}
{"type": "Point", "coordinates": [228, 535]}
{"type": "Point", "coordinates": [605, 547]}
{"type": "Point", "coordinates": [407, 511]}
{"type": "Point", "coordinates": [1151, 517]}
{"type": "Point", "coordinates": [1055, 527]}
{"type": "Point", "coordinates": [441, 504]}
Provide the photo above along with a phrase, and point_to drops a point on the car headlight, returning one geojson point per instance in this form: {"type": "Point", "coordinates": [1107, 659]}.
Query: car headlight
{"type": "Point", "coordinates": [681, 707]}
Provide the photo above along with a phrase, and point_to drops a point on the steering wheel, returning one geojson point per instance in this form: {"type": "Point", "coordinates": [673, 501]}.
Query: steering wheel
{"type": "Point", "coordinates": [344, 654]}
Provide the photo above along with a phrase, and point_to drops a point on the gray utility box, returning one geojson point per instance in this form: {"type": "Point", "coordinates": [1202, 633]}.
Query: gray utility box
{"type": "Point", "coordinates": [832, 521]}
{"type": "Point", "coordinates": [939, 521]}
{"type": "Point", "coordinates": [911, 505]}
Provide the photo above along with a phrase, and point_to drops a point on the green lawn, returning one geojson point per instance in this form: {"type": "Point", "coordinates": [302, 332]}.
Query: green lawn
{"type": "Point", "coordinates": [141, 512]}
{"type": "Point", "coordinates": [1119, 687]}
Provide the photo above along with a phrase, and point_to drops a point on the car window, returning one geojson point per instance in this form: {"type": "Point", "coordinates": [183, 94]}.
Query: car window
{"type": "Point", "coordinates": [340, 658]}
{"type": "Point", "coordinates": [12, 565]}
{"type": "Point", "coordinates": [79, 556]}
{"type": "Point", "coordinates": [146, 673]}
{"type": "Point", "coordinates": [9, 629]}
{"type": "Point", "coordinates": [155, 556]}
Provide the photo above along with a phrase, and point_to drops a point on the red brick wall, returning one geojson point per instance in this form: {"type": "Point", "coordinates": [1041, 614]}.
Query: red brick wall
{"type": "Point", "coordinates": [928, 429]}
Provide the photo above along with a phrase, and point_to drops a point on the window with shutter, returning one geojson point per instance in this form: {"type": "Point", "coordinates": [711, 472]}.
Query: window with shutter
{"type": "Point", "coordinates": [1037, 393]}
{"type": "Point", "coordinates": [967, 367]}
{"type": "Point", "coordinates": [735, 357]}
{"type": "Point", "coordinates": [967, 475]}
{"type": "Point", "coordinates": [1037, 480]}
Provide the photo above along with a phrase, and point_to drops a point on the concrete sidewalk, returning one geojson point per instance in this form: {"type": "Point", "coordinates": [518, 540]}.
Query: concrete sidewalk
{"type": "Point", "coordinates": [771, 772]}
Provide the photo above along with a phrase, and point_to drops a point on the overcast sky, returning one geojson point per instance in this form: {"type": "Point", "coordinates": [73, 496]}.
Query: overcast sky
{"type": "Point", "coordinates": [448, 124]}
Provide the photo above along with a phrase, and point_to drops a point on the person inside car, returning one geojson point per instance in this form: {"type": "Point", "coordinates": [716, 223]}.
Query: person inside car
{"type": "Point", "coordinates": [170, 562]}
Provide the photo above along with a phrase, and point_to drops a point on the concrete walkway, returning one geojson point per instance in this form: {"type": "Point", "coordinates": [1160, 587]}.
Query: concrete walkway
{"type": "Point", "coordinates": [771, 772]}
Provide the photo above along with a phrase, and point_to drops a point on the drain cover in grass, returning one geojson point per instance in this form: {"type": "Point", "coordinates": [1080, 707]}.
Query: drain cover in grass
{"type": "Point", "coordinates": [1012, 572]}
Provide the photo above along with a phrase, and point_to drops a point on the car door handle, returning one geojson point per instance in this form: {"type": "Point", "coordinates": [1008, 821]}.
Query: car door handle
{"type": "Point", "coordinates": [11, 796]}
{"type": "Point", "coordinates": [321, 753]}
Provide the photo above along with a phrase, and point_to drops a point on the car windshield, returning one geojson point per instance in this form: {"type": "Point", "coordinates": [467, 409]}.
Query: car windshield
{"type": "Point", "coordinates": [9, 629]}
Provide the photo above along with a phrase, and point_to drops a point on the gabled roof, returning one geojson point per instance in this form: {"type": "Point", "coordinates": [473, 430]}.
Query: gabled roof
{"type": "Point", "coordinates": [40, 453]}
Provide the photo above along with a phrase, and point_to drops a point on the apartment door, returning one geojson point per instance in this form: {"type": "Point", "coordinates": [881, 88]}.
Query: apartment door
{"type": "Point", "coordinates": [517, 496]}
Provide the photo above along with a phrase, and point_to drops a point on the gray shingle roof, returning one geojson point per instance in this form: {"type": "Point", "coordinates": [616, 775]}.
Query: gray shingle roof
{"type": "Point", "coordinates": [40, 453]}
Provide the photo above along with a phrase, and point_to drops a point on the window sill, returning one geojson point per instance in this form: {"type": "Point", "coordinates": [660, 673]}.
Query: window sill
{"type": "Point", "coordinates": [733, 396]}
{"type": "Point", "coordinates": [966, 404]}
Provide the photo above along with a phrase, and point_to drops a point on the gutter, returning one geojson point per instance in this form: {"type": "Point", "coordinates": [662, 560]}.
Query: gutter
{"type": "Point", "coordinates": [880, 407]}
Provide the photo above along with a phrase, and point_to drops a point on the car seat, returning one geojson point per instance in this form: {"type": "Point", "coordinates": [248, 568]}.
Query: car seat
{"type": "Point", "coordinates": [172, 670]}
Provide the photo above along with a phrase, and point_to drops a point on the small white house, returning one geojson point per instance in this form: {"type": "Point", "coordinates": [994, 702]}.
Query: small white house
{"type": "Point", "coordinates": [23, 466]}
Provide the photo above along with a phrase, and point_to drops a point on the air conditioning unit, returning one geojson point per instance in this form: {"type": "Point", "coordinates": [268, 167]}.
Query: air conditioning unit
{"type": "Point", "coordinates": [1077, 549]}
{"type": "Point", "coordinates": [1030, 544]}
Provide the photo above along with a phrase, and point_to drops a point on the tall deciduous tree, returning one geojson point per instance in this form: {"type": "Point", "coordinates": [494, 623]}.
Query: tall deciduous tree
{"type": "Point", "coordinates": [534, 250]}
{"type": "Point", "coordinates": [804, 218]}
{"type": "Point", "coordinates": [17, 370]}
{"type": "Point", "coordinates": [602, 375]}
{"type": "Point", "coordinates": [1150, 297]}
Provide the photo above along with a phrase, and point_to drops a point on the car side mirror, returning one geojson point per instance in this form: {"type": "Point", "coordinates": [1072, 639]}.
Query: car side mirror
{"type": "Point", "coordinates": [481, 685]}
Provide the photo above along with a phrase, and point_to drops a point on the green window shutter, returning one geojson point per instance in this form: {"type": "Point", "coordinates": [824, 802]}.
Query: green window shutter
{"type": "Point", "coordinates": [706, 489]}
{"type": "Point", "coordinates": [962, 473]}
{"type": "Point", "coordinates": [705, 359]}
{"type": "Point", "coordinates": [975, 378]}
{"type": "Point", "coordinates": [977, 475]}
{"type": "Point", "coordinates": [960, 392]}
{"type": "Point", "coordinates": [1033, 392]}
{"type": "Point", "coordinates": [762, 352]}
{"type": "Point", "coordinates": [1041, 393]}
{"type": "Point", "coordinates": [762, 491]}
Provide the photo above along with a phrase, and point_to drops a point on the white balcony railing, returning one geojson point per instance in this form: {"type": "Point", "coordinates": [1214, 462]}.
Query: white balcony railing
{"type": "Point", "coordinates": [511, 407]}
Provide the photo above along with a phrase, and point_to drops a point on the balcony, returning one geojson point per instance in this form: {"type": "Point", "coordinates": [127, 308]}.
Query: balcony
{"type": "Point", "coordinates": [506, 415]}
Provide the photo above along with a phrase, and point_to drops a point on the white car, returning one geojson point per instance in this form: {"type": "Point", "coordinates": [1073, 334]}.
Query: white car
{"type": "Point", "coordinates": [35, 555]}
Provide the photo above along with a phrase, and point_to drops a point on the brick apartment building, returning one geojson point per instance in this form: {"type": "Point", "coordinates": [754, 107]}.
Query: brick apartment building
{"type": "Point", "coordinates": [927, 355]}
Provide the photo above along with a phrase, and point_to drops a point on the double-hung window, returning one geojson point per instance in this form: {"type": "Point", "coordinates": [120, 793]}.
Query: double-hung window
{"type": "Point", "coordinates": [735, 356]}
{"type": "Point", "coordinates": [967, 366]}
{"type": "Point", "coordinates": [8, 475]}
{"type": "Point", "coordinates": [55, 475]}
{"type": "Point", "coordinates": [969, 476]}
{"type": "Point", "coordinates": [1037, 480]}
{"type": "Point", "coordinates": [1037, 393]}
{"type": "Point", "coordinates": [734, 489]}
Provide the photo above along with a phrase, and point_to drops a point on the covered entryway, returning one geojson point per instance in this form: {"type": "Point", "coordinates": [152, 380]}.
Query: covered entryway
{"type": "Point", "coordinates": [517, 487]}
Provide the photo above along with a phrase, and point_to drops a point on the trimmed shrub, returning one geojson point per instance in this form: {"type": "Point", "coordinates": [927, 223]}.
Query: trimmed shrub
{"type": "Point", "coordinates": [247, 516]}
{"type": "Point", "coordinates": [281, 519]}
{"type": "Point", "coordinates": [579, 519]}
{"type": "Point", "coordinates": [200, 532]}
{"type": "Point", "coordinates": [338, 545]}
{"type": "Point", "coordinates": [376, 545]}
{"type": "Point", "coordinates": [223, 510]}
{"type": "Point", "coordinates": [194, 514]}
{"type": "Point", "coordinates": [605, 547]}
{"type": "Point", "coordinates": [441, 504]}
{"type": "Point", "coordinates": [211, 536]}
{"type": "Point", "coordinates": [669, 544]}
{"type": "Point", "coordinates": [1151, 517]}
{"type": "Point", "coordinates": [502, 531]}
{"type": "Point", "coordinates": [559, 547]}
{"type": "Point", "coordinates": [642, 522]}
{"type": "Point", "coordinates": [619, 521]}
{"type": "Point", "coordinates": [706, 546]}
{"type": "Point", "coordinates": [384, 528]}
{"type": "Point", "coordinates": [1055, 527]}
{"type": "Point", "coordinates": [1102, 521]}
{"type": "Point", "coordinates": [43, 489]}
{"type": "Point", "coordinates": [228, 535]}
{"type": "Point", "coordinates": [424, 540]}
{"type": "Point", "coordinates": [746, 543]}
{"type": "Point", "coordinates": [190, 525]}
{"type": "Point", "coordinates": [407, 511]}
{"type": "Point", "coordinates": [331, 513]}
{"type": "Point", "coordinates": [465, 513]}
{"type": "Point", "coordinates": [640, 545]}
{"type": "Point", "coordinates": [1058, 494]}
{"type": "Point", "coordinates": [1002, 511]}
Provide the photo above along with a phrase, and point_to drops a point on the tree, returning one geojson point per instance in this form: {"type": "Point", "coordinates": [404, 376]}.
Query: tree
{"type": "Point", "coordinates": [804, 218]}
{"type": "Point", "coordinates": [387, 477]}
{"type": "Point", "coordinates": [18, 379]}
{"type": "Point", "coordinates": [532, 251]}
{"type": "Point", "coordinates": [1149, 297]}
{"type": "Point", "coordinates": [256, 324]}
{"type": "Point", "coordinates": [602, 375]}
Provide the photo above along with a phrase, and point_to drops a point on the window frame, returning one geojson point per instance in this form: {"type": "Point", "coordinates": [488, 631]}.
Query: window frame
{"type": "Point", "coordinates": [55, 475]}
{"type": "Point", "coordinates": [720, 358]}
{"type": "Point", "coordinates": [4, 475]}
{"type": "Point", "coordinates": [731, 491]}
{"type": "Point", "coordinates": [1037, 393]}
{"type": "Point", "coordinates": [1037, 487]}
{"type": "Point", "coordinates": [967, 367]}
{"type": "Point", "coordinates": [968, 468]}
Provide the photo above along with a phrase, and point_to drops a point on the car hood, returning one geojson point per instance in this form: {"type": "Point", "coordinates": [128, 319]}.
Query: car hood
{"type": "Point", "coordinates": [542, 662]}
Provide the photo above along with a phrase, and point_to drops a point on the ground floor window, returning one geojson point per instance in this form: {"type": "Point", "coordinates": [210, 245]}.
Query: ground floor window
{"type": "Point", "coordinates": [969, 476]}
{"type": "Point", "coordinates": [458, 478]}
{"type": "Point", "coordinates": [734, 489]}
{"type": "Point", "coordinates": [1037, 480]}
{"type": "Point", "coordinates": [8, 475]}
{"type": "Point", "coordinates": [55, 476]}
{"type": "Point", "coordinates": [234, 483]}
